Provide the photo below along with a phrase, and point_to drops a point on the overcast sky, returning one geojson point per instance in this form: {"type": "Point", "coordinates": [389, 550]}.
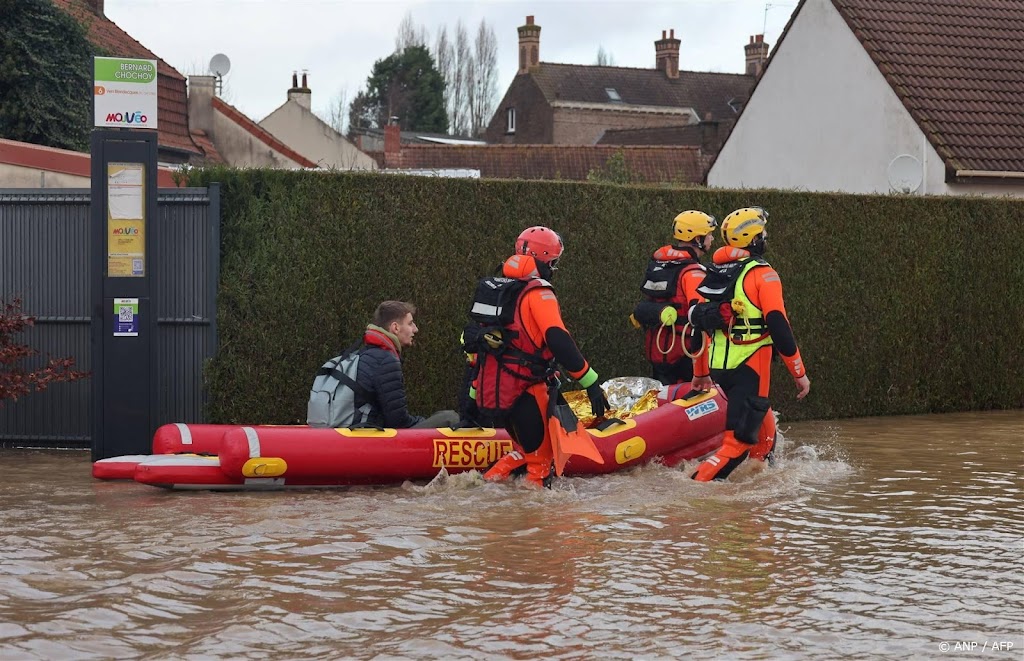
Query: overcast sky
{"type": "Point", "coordinates": [337, 41]}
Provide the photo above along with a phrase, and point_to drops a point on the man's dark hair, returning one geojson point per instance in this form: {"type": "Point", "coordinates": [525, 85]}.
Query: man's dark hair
{"type": "Point", "coordinates": [390, 311]}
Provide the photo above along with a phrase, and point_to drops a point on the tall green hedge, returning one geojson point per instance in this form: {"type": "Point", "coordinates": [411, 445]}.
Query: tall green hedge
{"type": "Point", "coordinates": [899, 304]}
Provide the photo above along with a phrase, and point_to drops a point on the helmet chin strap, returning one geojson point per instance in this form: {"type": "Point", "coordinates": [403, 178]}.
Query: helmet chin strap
{"type": "Point", "coordinates": [545, 270]}
{"type": "Point", "coordinates": [758, 246]}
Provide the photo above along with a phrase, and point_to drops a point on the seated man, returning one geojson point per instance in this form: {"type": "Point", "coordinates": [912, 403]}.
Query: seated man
{"type": "Point", "coordinates": [378, 386]}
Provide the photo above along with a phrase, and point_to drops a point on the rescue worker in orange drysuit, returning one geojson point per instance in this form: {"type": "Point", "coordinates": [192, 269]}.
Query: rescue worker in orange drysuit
{"type": "Point", "coordinates": [518, 337]}
{"type": "Point", "coordinates": [673, 274]}
{"type": "Point", "coordinates": [746, 317]}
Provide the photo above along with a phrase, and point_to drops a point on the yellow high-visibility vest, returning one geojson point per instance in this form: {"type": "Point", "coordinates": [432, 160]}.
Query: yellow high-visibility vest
{"type": "Point", "coordinates": [749, 333]}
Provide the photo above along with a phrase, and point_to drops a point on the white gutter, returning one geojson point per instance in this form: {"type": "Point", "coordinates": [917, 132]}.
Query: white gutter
{"type": "Point", "coordinates": [990, 173]}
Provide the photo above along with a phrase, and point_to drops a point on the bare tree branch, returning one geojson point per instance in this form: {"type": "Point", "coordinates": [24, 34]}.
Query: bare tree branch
{"type": "Point", "coordinates": [409, 34]}
{"type": "Point", "coordinates": [484, 78]}
{"type": "Point", "coordinates": [460, 115]}
{"type": "Point", "coordinates": [604, 58]}
{"type": "Point", "coordinates": [337, 112]}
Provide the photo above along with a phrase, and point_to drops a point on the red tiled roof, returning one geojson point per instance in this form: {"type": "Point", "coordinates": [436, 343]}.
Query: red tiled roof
{"type": "Point", "coordinates": [719, 94]}
{"type": "Point", "coordinates": [569, 162]}
{"type": "Point", "coordinates": [203, 142]}
{"type": "Point", "coordinates": [238, 117]}
{"type": "Point", "coordinates": [51, 159]}
{"type": "Point", "coordinates": [172, 97]}
{"type": "Point", "coordinates": [958, 67]}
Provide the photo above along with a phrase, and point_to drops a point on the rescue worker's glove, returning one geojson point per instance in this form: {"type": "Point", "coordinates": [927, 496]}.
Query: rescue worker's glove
{"type": "Point", "coordinates": [632, 320]}
{"type": "Point", "coordinates": [648, 313]}
{"type": "Point", "coordinates": [668, 315]}
{"type": "Point", "coordinates": [598, 402]}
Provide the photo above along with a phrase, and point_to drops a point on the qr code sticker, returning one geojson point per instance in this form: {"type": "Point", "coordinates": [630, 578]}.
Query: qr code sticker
{"type": "Point", "coordinates": [136, 266]}
{"type": "Point", "coordinates": [125, 314]}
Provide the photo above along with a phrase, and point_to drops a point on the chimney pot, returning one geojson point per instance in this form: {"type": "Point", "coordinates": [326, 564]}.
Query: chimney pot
{"type": "Point", "coordinates": [672, 33]}
{"type": "Point", "coordinates": [529, 20]}
{"type": "Point", "coordinates": [300, 95]}
{"type": "Point", "coordinates": [760, 38]}
{"type": "Point", "coordinates": [662, 34]}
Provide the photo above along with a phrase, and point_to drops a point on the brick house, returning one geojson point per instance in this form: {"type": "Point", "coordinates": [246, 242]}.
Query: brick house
{"type": "Point", "coordinates": [879, 96]}
{"type": "Point", "coordinates": [561, 104]}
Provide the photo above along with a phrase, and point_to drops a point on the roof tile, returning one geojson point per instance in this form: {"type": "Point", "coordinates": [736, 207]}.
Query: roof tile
{"type": "Point", "coordinates": [705, 92]}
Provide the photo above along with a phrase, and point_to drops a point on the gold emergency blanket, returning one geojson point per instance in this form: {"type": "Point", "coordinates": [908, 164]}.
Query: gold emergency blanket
{"type": "Point", "coordinates": [628, 396]}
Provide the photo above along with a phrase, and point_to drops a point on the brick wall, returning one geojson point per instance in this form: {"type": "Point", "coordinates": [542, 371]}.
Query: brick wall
{"type": "Point", "coordinates": [653, 164]}
{"type": "Point", "coordinates": [585, 127]}
{"type": "Point", "coordinates": [533, 115]}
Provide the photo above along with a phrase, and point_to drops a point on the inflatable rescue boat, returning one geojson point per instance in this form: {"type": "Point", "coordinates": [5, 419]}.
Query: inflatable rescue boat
{"type": "Point", "coordinates": [671, 428]}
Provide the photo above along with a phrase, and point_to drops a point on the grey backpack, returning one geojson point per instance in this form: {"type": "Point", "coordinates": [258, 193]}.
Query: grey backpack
{"type": "Point", "coordinates": [332, 400]}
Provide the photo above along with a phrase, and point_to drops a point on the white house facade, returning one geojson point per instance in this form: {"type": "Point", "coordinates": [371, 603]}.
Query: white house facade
{"type": "Point", "coordinates": [294, 124]}
{"type": "Point", "coordinates": [823, 117]}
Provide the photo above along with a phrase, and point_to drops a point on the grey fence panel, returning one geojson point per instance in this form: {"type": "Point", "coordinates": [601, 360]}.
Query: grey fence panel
{"type": "Point", "coordinates": [44, 261]}
{"type": "Point", "coordinates": [185, 293]}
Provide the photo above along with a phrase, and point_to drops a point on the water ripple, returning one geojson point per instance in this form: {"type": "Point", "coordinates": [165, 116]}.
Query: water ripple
{"type": "Point", "coordinates": [872, 538]}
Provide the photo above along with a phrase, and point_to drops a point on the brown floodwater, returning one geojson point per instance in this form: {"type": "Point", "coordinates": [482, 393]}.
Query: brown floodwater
{"type": "Point", "coordinates": [872, 538]}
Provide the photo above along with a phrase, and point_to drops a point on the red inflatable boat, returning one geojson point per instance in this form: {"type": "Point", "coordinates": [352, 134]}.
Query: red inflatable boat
{"type": "Point", "coordinates": [273, 457]}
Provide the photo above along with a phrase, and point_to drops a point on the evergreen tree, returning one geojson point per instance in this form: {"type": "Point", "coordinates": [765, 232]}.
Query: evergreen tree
{"type": "Point", "coordinates": [46, 76]}
{"type": "Point", "coordinates": [405, 85]}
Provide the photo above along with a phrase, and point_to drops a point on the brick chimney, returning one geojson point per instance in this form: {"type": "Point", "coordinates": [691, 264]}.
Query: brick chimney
{"type": "Point", "coordinates": [757, 54]}
{"type": "Point", "coordinates": [666, 54]}
{"type": "Point", "coordinates": [529, 45]}
{"type": "Point", "coordinates": [301, 95]}
{"type": "Point", "coordinates": [96, 6]}
{"type": "Point", "coordinates": [392, 145]}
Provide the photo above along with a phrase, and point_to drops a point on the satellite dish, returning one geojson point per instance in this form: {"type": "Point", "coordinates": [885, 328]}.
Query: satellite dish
{"type": "Point", "coordinates": [905, 174]}
{"type": "Point", "coordinates": [220, 65]}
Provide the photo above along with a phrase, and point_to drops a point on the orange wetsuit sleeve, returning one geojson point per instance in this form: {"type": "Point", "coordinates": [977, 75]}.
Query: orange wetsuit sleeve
{"type": "Point", "coordinates": [763, 287]}
{"type": "Point", "coordinates": [542, 320]}
{"type": "Point", "coordinates": [689, 282]}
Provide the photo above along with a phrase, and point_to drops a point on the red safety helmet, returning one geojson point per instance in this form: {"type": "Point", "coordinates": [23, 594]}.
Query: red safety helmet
{"type": "Point", "coordinates": [542, 243]}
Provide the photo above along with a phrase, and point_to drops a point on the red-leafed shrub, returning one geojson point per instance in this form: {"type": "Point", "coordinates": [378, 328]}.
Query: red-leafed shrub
{"type": "Point", "coordinates": [15, 381]}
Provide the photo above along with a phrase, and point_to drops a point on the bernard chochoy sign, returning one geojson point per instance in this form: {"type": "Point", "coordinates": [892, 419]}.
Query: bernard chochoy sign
{"type": "Point", "coordinates": [124, 92]}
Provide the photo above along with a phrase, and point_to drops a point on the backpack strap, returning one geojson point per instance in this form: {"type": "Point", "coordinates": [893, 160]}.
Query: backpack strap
{"type": "Point", "coordinates": [345, 378]}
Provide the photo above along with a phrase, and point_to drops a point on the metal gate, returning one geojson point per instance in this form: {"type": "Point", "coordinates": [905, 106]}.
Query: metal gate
{"type": "Point", "coordinates": [44, 261]}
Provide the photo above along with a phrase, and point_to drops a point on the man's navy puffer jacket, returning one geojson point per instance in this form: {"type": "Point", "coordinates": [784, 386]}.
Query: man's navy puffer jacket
{"type": "Point", "coordinates": [380, 373]}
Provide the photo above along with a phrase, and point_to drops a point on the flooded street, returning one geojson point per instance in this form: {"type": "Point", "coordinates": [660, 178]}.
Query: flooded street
{"type": "Point", "coordinates": [872, 538]}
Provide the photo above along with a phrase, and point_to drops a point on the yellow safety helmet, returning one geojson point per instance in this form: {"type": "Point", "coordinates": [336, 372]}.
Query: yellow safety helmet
{"type": "Point", "coordinates": [743, 226]}
{"type": "Point", "coordinates": [691, 225]}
